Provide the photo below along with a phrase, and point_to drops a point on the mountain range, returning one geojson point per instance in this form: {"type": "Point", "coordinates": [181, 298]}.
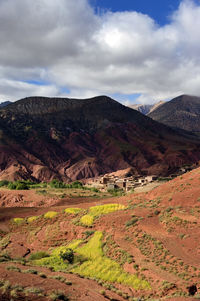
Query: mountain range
{"type": "Point", "coordinates": [44, 138]}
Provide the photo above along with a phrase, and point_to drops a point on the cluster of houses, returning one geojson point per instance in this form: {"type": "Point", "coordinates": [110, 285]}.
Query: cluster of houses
{"type": "Point", "coordinates": [128, 183]}
{"type": "Point", "coordinates": [110, 182]}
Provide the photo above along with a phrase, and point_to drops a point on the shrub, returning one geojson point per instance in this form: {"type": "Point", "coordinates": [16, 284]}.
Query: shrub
{"type": "Point", "coordinates": [33, 290]}
{"type": "Point", "coordinates": [4, 183]}
{"type": "Point", "coordinates": [18, 185]}
{"type": "Point", "coordinates": [94, 189]}
{"type": "Point", "coordinates": [77, 184]}
{"type": "Point", "coordinates": [38, 255]}
{"type": "Point", "coordinates": [68, 255]}
{"type": "Point", "coordinates": [132, 222]}
{"type": "Point", "coordinates": [42, 275]}
{"type": "Point", "coordinates": [4, 258]}
{"type": "Point", "coordinates": [88, 233]}
{"type": "Point", "coordinates": [30, 271]}
{"type": "Point", "coordinates": [21, 186]}
{"type": "Point", "coordinates": [116, 192]}
{"type": "Point", "coordinates": [51, 214]}
{"type": "Point", "coordinates": [12, 186]}
{"type": "Point", "coordinates": [58, 295]}
{"type": "Point", "coordinates": [57, 184]}
{"type": "Point", "coordinates": [13, 268]}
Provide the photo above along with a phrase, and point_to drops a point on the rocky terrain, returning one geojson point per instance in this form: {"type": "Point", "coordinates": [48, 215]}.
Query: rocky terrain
{"type": "Point", "coordinates": [45, 138]}
{"type": "Point", "coordinates": [182, 112]}
{"type": "Point", "coordinates": [140, 246]}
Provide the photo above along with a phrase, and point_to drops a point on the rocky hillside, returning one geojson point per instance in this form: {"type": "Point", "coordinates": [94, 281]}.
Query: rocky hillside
{"type": "Point", "coordinates": [181, 112]}
{"type": "Point", "coordinates": [44, 138]}
{"type": "Point", "coordinates": [146, 109]}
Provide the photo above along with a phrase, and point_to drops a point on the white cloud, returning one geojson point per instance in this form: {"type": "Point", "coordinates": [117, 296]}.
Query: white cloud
{"type": "Point", "coordinates": [64, 43]}
{"type": "Point", "coordinates": [14, 90]}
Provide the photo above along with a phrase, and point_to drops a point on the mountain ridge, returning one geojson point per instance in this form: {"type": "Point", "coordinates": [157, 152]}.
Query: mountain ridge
{"type": "Point", "coordinates": [76, 139]}
{"type": "Point", "coordinates": [182, 112]}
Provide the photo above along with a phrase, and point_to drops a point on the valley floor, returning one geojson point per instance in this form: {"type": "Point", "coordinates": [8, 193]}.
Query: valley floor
{"type": "Point", "coordinates": [142, 246]}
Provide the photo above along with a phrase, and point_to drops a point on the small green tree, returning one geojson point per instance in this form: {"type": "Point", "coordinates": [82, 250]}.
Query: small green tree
{"type": "Point", "coordinates": [68, 255]}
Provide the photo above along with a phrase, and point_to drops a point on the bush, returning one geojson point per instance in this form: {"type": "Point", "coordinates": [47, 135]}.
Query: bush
{"type": "Point", "coordinates": [58, 295]}
{"type": "Point", "coordinates": [4, 183]}
{"type": "Point", "coordinates": [30, 271]}
{"type": "Point", "coordinates": [116, 192]}
{"type": "Point", "coordinates": [12, 185]}
{"type": "Point", "coordinates": [18, 185]}
{"type": "Point", "coordinates": [68, 255]}
{"type": "Point", "coordinates": [57, 184]}
{"type": "Point", "coordinates": [22, 186]}
{"type": "Point", "coordinates": [77, 184]}
{"type": "Point", "coordinates": [88, 233]}
{"type": "Point", "coordinates": [132, 222]}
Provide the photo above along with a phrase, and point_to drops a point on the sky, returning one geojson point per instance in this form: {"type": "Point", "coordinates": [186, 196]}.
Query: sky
{"type": "Point", "coordinates": [136, 51]}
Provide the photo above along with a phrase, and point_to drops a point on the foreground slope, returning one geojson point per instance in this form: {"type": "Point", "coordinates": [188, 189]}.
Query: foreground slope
{"type": "Point", "coordinates": [43, 138]}
{"type": "Point", "coordinates": [181, 112]}
{"type": "Point", "coordinates": [138, 246]}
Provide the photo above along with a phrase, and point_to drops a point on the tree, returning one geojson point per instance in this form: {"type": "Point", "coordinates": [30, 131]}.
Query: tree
{"type": "Point", "coordinates": [68, 255]}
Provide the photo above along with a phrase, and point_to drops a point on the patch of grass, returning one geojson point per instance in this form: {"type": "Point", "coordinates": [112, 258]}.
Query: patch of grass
{"type": "Point", "coordinates": [87, 220]}
{"type": "Point", "coordinates": [38, 255]}
{"type": "Point", "coordinates": [18, 220]}
{"type": "Point", "coordinates": [50, 214]}
{"type": "Point", "coordinates": [96, 211]}
{"type": "Point", "coordinates": [105, 209]}
{"type": "Point", "coordinates": [73, 210]}
{"type": "Point", "coordinates": [103, 268]}
{"type": "Point", "coordinates": [32, 219]}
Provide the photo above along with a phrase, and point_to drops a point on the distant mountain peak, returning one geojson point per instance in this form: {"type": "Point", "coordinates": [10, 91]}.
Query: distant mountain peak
{"type": "Point", "coordinates": [146, 109]}
{"type": "Point", "coordinates": [181, 112]}
{"type": "Point", "coordinates": [4, 104]}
